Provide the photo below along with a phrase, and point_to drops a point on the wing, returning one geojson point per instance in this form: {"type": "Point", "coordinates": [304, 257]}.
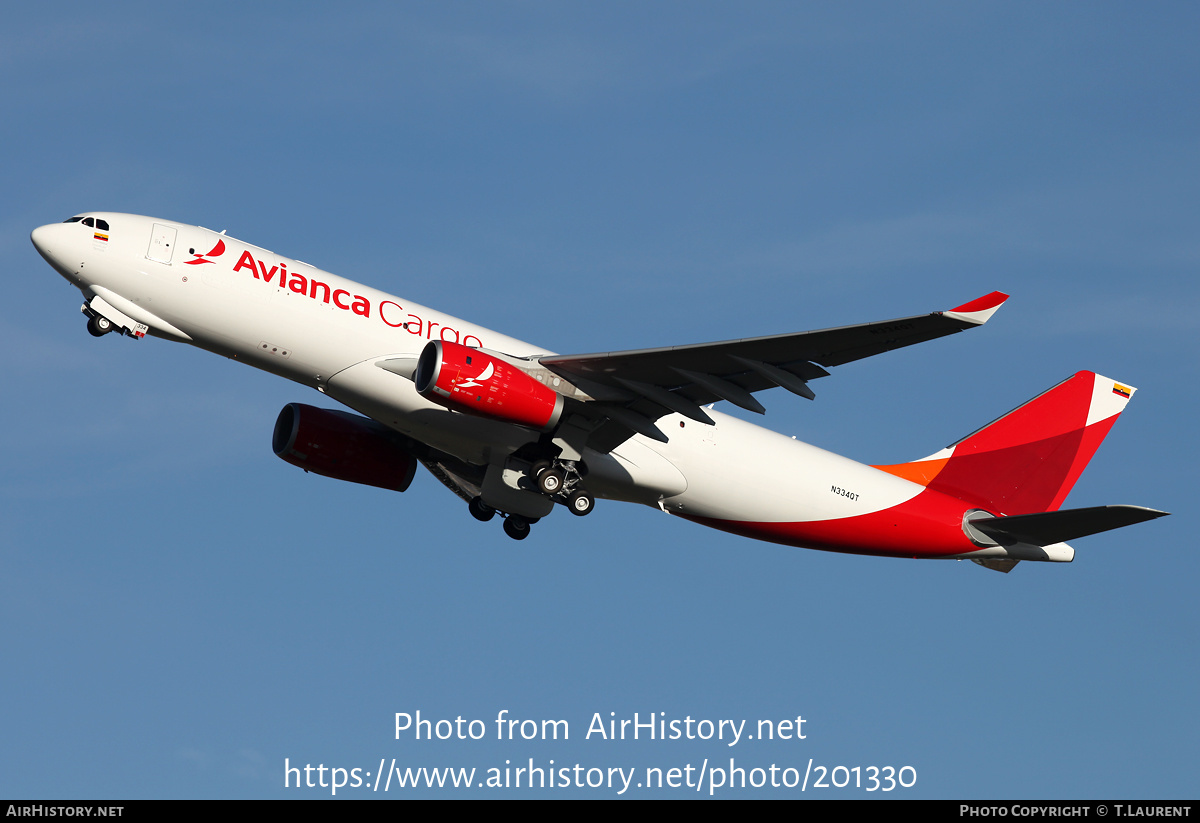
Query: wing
{"type": "Point", "coordinates": [632, 389]}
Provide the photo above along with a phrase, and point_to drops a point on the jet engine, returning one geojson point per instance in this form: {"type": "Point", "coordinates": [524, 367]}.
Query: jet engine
{"type": "Point", "coordinates": [469, 380]}
{"type": "Point", "coordinates": [343, 446]}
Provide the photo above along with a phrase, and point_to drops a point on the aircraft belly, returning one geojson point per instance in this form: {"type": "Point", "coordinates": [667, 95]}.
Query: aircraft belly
{"type": "Point", "coordinates": [921, 529]}
{"type": "Point", "coordinates": [744, 472]}
{"type": "Point", "coordinates": [635, 473]}
{"type": "Point", "coordinates": [754, 482]}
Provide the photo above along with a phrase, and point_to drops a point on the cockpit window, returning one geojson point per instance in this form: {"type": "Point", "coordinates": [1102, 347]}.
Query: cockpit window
{"type": "Point", "coordinates": [93, 222]}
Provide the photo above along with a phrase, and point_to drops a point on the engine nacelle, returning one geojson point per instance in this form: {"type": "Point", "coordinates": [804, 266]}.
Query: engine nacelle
{"type": "Point", "coordinates": [465, 379]}
{"type": "Point", "coordinates": [342, 446]}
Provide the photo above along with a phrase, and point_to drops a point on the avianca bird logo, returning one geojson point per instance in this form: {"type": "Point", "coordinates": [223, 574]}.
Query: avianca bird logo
{"type": "Point", "coordinates": [216, 251]}
{"type": "Point", "coordinates": [472, 382]}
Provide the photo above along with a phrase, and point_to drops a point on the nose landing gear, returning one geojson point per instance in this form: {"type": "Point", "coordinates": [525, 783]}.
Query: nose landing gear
{"type": "Point", "coordinates": [103, 318]}
{"type": "Point", "coordinates": [99, 326]}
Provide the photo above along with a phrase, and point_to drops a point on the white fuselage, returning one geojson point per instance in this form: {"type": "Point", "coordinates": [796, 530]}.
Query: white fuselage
{"type": "Point", "coordinates": [327, 332]}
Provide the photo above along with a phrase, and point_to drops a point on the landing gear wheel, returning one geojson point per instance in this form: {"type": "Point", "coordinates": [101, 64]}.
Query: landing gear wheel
{"type": "Point", "coordinates": [581, 503]}
{"type": "Point", "coordinates": [516, 527]}
{"type": "Point", "coordinates": [98, 326]}
{"type": "Point", "coordinates": [480, 510]}
{"type": "Point", "coordinates": [539, 467]}
{"type": "Point", "coordinates": [551, 481]}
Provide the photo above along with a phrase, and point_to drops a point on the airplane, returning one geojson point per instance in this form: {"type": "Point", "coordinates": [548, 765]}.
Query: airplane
{"type": "Point", "coordinates": [514, 429]}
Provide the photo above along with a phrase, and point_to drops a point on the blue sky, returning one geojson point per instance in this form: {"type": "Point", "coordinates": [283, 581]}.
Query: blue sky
{"type": "Point", "coordinates": [182, 611]}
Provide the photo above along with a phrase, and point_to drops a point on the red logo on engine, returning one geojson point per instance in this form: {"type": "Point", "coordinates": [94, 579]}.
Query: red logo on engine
{"type": "Point", "coordinates": [473, 382]}
{"type": "Point", "coordinates": [216, 251]}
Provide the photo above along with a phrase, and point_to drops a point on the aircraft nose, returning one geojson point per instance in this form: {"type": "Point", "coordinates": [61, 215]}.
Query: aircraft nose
{"type": "Point", "coordinates": [41, 239]}
{"type": "Point", "coordinates": [52, 243]}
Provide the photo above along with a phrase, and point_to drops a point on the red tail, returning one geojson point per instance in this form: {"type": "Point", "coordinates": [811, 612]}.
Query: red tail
{"type": "Point", "coordinates": [1029, 459]}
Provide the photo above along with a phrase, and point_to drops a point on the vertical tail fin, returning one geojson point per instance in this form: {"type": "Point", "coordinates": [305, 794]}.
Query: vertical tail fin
{"type": "Point", "coordinates": [1029, 459]}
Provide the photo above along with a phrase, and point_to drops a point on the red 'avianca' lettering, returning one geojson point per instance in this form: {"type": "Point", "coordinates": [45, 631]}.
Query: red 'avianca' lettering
{"type": "Point", "coordinates": [303, 285]}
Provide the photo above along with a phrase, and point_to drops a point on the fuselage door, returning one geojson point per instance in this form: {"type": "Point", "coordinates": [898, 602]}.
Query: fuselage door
{"type": "Point", "coordinates": [162, 243]}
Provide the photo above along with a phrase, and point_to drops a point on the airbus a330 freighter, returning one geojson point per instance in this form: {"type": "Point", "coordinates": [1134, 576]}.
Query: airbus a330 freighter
{"type": "Point", "coordinates": [514, 429]}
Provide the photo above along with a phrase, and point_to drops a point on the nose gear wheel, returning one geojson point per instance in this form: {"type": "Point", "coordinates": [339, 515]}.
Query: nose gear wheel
{"type": "Point", "coordinates": [98, 326]}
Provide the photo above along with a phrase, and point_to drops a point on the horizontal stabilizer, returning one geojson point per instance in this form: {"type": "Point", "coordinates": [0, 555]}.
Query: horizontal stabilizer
{"type": "Point", "coordinates": [1048, 528]}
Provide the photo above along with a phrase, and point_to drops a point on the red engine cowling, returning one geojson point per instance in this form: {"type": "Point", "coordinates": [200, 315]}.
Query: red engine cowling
{"type": "Point", "coordinates": [342, 446]}
{"type": "Point", "coordinates": [465, 379]}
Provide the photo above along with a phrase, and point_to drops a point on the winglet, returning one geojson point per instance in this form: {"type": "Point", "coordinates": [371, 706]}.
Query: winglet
{"type": "Point", "coordinates": [980, 310]}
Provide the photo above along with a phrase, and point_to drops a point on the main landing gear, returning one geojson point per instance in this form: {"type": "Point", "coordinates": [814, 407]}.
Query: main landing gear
{"type": "Point", "coordinates": [559, 480]}
{"type": "Point", "coordinates": [562, 482]}
{"type": "Point", "coordinates": [515, 526]}
{"type": "Point", "coordinates": [480, 511]}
